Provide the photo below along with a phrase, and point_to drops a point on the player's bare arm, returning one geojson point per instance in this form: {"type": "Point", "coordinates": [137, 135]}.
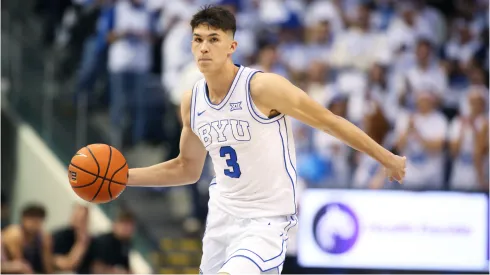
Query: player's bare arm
{"type": "Point", "coordinates": [182, 170]}
{"type": "Point", "coordinates": [271, 92]}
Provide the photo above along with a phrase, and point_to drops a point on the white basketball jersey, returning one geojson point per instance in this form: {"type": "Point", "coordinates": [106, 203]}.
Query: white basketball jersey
{"type": "Point", "coordinates": [253, 156]}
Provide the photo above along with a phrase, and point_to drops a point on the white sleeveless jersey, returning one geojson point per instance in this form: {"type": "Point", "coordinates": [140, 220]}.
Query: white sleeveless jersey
{"type": "Point", "coordinates": [254, 157]}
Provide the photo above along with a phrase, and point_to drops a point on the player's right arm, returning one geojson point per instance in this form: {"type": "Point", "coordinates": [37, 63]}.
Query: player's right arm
{"type": "Point", "coordinates": [182, 170]}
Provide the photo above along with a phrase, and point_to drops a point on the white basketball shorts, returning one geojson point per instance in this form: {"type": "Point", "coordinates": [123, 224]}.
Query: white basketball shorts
{"type": "Point", "coordinates": [244, 246]}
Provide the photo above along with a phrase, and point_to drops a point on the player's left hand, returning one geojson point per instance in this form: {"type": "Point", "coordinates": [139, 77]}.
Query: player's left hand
{"type": "Point", "coordinates": [396, 169]}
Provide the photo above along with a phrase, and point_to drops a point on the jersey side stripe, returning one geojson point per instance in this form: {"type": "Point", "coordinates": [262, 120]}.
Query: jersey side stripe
{"type": "Point", "coordinates": [289, 149]}
{"type": "Point", "coordinates": [251, 107]}
{"type": "Point", "coordinates": [286, 166]}
{"type": "Point", "coordinates": [193, 104]}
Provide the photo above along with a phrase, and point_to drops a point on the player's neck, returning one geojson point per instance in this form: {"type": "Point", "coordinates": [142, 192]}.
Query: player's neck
{"type": "Point", "coordinates": [219, 82]}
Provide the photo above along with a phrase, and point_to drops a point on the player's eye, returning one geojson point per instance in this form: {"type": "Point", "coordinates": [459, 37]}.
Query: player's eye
{"type": "Point", "coordinates": [214, 39]}
{"type": "Point", "coordinates": [198, 40]}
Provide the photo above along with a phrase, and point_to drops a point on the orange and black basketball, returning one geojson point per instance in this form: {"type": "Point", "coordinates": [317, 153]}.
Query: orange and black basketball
{"type": "Point", "coordinates": [98, 173]}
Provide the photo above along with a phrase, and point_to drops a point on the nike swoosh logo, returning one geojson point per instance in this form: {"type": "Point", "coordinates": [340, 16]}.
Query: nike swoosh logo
{"type": "Point", "coordinates": [198, 114]}
{"type": "Point", "coordinates": [81, 154]}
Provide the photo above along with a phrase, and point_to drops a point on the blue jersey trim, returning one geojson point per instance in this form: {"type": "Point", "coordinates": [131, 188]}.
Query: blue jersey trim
{"type": "Point", "coordinates": [223, 102]}
{"type": "Point", "coordinates": [251, 107]}
{"type": "Point", "coordinates": [289, 155]}
{"type": "Point", "coordinates": [193, 105]}
{"type": "Point", "coordinates": [283, 250]}
{"type": "Point", "coordinates": [286, 167]}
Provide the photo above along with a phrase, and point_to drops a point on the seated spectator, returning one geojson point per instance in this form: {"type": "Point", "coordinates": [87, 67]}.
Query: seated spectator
{"type": "Point", "coordinates": [72, 243]}
{"type": "Point", "coordinates": [28, 243]}
{"type": "Point", "coordinates": [111, 250]}
{"type": "Point", "coordinates": [13, 266]}
{"type": "Point", "coordinates": [420, 136]}
{"type": "Point", "coordinates": [467, 140]}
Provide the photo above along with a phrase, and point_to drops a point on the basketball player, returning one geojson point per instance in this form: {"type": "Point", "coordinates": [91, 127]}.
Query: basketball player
{"type": "Point", "coordinates": [240, 117]}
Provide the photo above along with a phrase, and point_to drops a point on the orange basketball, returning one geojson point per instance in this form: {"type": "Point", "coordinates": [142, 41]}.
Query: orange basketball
{"type": "Point", "coordinates": [98, 173]}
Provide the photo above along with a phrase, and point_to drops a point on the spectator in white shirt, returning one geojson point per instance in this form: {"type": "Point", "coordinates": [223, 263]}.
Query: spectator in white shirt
{"type": "Point", "coordinates": [477, 80]}
{"type": "Point", "coordinates": [176, 52]}
{"type": "Point", "coordinates": [320, 42]}
{"type": "Point", "coordinates": [359, 47]}
{"type": "Point", "coordinates": [420, 136]}
{"type": "Point", "coordinates": [324, 10]}
{"type": "Point", "coordinates": [469, 146]}
{"type": "Point", "coordinates": [463, 44]}
{"type": "Point", "coordinates": [425, 72]}
{"type": "Point", "coordinates": [404, 30]}
{"type": "Point", "coordinates": [317, 78]}
{"type": "Point", "coordinates": [292, 52]}
{"type": "Point", "coordinates": [129, 62]}
{"type": "Point", "coordinates": [381, 93]}
{"type": "Point", "coordinates": [435, 20]}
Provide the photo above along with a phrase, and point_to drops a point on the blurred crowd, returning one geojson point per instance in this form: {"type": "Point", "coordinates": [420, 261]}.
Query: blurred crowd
{"type": "Point", "coordinates": [27, 248]}
{"type": "Point", "coordinates": [412, 73]}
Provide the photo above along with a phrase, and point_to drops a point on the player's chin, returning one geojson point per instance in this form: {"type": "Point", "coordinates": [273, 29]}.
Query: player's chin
{"type": "Point", "coordinates": [206, 66]}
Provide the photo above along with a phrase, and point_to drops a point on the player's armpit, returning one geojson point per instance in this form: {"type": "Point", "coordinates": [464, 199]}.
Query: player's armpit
{"type": "Point", "coordinates": [274, 92]}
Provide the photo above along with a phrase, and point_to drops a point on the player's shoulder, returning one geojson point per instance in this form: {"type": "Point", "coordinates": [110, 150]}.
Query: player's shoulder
{"type": "Point", "coordinates": [188, 94]}
{"type": "Point", "coordinates": [263, 81]}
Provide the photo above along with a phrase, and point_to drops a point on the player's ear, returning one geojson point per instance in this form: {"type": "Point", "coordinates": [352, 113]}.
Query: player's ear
{"type": "Point", "coordinates": [233, 46]}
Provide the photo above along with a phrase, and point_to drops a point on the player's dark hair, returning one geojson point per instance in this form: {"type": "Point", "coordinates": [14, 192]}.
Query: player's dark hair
{"type": "Point", "coordinates": [216, 17]}
{"type": "Point", "coordinates": [34, 211]}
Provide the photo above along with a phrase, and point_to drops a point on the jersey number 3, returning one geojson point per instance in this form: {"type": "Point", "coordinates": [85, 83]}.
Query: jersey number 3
{"type": "Point", "coordinates": [231, 161]}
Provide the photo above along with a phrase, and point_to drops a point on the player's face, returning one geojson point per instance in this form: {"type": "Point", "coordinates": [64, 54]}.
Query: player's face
{"type": "Point", "coordinates": [211, 47]}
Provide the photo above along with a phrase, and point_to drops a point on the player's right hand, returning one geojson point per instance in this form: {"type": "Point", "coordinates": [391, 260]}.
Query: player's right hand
{"type": "Point", "coordinates": [396, 169]}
